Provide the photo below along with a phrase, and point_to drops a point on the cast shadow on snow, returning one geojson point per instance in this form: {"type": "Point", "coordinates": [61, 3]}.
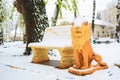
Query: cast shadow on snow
{"type": "Point", "coordinates": [53, 63]}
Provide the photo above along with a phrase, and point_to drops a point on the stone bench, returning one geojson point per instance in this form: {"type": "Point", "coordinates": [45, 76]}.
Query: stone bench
{"type": "Point", "coordinates": [58, 37]}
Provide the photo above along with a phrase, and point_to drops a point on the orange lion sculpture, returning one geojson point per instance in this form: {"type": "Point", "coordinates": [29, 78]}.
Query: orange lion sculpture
{"type": "Point", "coordinates": [83, 53]}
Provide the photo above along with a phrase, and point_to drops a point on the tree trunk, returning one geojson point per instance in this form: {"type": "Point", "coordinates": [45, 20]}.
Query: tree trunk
{"type": "Point", "coordinates": [15, 32]}
{"type": "Point", "coordinates": [75, 14]}
{"type": "Point", "coordinates": [2, 17]}
{"type": "Point", "coordinates": [55, 15]}
{"type": "Point", "coordinates": [118, 20]}
{"type": "Point", "coordinates": [35, 18]}
{"type": "Point", "coordinates": [1, 35]}
{"type": "Point", "coordinates": [93, 17]}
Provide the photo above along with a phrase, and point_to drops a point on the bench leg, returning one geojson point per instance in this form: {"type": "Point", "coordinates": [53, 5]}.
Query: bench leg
{"type": "Point", "coordinates": [67, 59]}
{"type": "Point", "coordinates": [40, 55]}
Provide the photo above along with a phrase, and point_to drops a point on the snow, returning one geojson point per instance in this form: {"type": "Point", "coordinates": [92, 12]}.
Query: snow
{"type": "Point", "coordinates": [79, 20]}
{"type": "Point", "coordinates": [15, 66]}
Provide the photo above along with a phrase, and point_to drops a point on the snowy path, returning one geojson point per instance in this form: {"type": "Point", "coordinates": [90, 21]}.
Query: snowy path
{"type": "Point", "coordinates": [14, 66]}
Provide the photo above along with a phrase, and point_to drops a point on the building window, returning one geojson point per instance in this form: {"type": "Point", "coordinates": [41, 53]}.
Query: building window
{"type": "Point", "coordinates": [98, 34]}
{"type": "Point", "coordinates": [103, 27]}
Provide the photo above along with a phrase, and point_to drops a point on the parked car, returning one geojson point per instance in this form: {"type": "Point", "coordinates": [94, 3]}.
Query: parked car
{"type": "Point", "coordinates": [106, 40]}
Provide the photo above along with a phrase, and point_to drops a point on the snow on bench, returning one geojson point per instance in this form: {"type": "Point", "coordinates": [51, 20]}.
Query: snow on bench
{"type": "Point", "coordinates": [54, 38]}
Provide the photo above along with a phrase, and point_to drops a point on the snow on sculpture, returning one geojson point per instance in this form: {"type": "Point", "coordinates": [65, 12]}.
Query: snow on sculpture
{"type": "Point", "coordinates": [83, 52]}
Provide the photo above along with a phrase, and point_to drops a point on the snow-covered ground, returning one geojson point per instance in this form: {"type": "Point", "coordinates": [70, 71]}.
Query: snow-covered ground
{"type": "Point", "coordinates": [14, 66]}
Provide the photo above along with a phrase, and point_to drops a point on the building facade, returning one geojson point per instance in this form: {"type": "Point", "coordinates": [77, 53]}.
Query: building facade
{"type": "Point", "coordinates": [104, 29]}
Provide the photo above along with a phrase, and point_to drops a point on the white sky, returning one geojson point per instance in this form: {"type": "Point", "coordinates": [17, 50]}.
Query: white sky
{"type": "Point", "coordinates": [102, 4]}
{"type": "Point", "coordinates": [87, 4]}
{"type": "Point", "coordinates": [85, 7]}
